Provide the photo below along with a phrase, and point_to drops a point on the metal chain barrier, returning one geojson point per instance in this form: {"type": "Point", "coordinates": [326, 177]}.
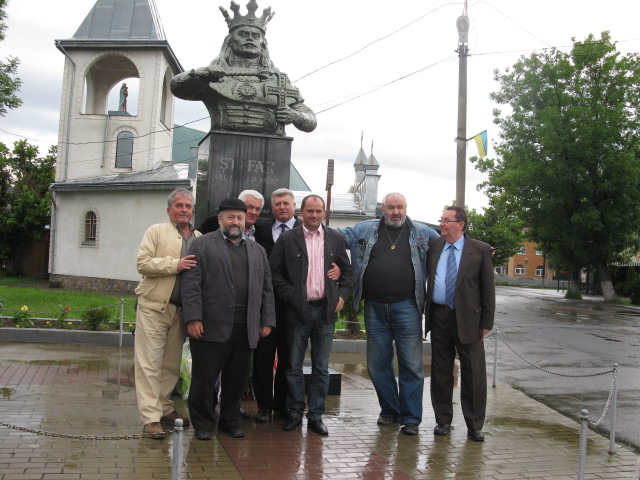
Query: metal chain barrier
{"type": "Point", "coordinates": [568, 375]}
{"type": "Point", "coordinates": [84, 437]}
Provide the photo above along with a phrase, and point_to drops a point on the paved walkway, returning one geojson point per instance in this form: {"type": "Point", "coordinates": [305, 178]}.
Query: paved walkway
{"type": "Point", "coordinates": [88, 390]}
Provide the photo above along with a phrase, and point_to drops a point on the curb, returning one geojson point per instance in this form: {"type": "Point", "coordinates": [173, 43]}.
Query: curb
{"type": "Point", "coordinates": [53, 335]}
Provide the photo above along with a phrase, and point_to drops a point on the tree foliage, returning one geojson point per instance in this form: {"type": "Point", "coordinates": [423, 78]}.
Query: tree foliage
{"type": "Point", "coordinates": [9, 83]}
{"type": "Point", "coordinates": [569, 154]}
{"type": "Point", "coordinates": [25, 201]}
{"type": "Point", "coordinates": [498, 226]}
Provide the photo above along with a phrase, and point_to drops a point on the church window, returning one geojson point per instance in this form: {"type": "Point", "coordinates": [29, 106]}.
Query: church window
{"type": "Point", "coordinates": [90, 228]}
{"type": "Point", "coordinates": [124, 150]}
{"type": "Point", "coordinates": [520, 270]}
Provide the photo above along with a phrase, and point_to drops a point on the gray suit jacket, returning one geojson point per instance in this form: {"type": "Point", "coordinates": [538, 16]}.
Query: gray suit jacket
{"type": "Point", "coordinates": [290, 265]}
{"type": "Point", "coordinates": [208, 293]}
{"type": "Point", "coordinates": [475, 287]}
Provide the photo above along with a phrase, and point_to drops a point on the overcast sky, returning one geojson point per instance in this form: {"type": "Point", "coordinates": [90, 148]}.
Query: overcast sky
{"type": "Point", "coordinates": [412, 121]}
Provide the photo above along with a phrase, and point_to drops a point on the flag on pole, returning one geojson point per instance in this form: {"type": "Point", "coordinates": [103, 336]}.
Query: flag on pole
{"type": "Point", "coordinates": [481, 142]}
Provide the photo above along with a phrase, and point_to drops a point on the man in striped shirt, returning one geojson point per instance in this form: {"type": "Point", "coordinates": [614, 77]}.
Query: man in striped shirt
{"type": "Point", "coordinates": [300, 262]}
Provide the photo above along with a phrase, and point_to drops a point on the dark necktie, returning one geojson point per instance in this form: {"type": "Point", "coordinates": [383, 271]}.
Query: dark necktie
{"type": "Point", "coordinates": [450, 278]}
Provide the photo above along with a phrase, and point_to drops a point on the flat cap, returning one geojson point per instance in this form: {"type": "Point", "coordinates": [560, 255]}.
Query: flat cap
{"type": "Point", "coordinates": [232, 204]}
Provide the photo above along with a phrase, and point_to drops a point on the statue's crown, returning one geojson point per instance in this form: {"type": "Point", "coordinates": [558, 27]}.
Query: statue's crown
{"type": "Point", "coordinates": [250, 18]}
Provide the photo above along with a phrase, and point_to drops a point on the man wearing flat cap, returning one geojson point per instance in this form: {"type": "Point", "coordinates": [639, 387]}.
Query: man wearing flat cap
{"type": "Point", "coordinates": [227, 302]}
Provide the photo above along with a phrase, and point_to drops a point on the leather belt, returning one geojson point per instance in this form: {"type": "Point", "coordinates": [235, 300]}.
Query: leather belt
{"type": "Point", "coordinates": [315, 303]}
{"type": "Point", "coordinates": [442, 307]}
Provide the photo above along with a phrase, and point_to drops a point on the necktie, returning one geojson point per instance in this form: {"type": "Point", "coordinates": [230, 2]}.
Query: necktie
{"type": "Point", "coordinates": [450, 278]}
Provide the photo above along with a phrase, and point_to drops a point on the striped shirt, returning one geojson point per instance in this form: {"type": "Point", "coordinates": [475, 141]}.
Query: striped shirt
{"type": "Point", "coordinates": [314, 239]}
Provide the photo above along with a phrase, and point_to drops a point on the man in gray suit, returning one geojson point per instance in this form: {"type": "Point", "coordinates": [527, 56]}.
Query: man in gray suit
{"type": "Point", "coordinates": [227, 300]}
{"type": "Point", "coordinates": [460, 307]}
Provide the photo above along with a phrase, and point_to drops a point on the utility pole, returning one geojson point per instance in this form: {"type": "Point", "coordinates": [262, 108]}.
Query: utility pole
{"type": "Point", "coordinates": [462, 24]}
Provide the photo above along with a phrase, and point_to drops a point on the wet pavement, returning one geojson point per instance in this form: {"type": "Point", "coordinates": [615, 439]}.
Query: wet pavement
{"type": "Point", "coordinates": [574, 340]}
{"type": "Point", "coordinates": [88, 390]}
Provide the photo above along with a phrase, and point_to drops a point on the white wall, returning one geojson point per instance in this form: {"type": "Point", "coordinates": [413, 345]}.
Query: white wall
{"type": "Point", "coordinates": [123, 217]}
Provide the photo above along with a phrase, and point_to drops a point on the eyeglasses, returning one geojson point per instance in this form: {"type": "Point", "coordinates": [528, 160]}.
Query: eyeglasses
{"type": "Point", "coordinates": [446, 221]}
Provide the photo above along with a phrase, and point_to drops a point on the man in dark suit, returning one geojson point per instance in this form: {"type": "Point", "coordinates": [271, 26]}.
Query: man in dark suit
{"type": "Point", "coordinates": [227, 300]}
{"type": "Point", "coordinates": [271, 395]}
{"type": "Point", "coordinates": [460, 307]}
{"type": "Point", "coordinates": [300, 264]}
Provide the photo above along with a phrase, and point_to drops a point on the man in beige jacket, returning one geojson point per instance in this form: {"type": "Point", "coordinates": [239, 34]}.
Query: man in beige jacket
{"type": "Point", "coordinates": [159, 324]}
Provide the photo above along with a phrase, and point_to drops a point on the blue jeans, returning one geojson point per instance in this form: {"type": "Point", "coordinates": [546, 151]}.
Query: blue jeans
{"type": "Point", "coordinates": [321, 334]}
{"type": "Point", "coordinates": [400, 322]}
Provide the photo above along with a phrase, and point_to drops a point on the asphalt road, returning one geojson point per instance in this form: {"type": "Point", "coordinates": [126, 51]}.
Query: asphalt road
{"type": "Point", "coordinates": [571, 337]}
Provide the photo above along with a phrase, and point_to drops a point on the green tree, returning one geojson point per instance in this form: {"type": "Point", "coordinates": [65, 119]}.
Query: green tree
{"type": "Point", "coordinates": [498, 226]}
{"type": "Point", "coordinates": [569, 154]}
{"type": "Point", "coordinates": [9, 84]}
{"type": "Point", "coordinates": [25, 201]}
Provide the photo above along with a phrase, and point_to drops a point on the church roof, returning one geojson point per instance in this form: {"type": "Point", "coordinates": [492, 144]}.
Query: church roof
{"type": "Point", "coordinates": [122, 19]}
{"type": "Point", "coordinates": [122, 23]}
{"type": "Point", "coordinates": [166, 175]}
{"type": "Point", "coordinates": [361, 159]}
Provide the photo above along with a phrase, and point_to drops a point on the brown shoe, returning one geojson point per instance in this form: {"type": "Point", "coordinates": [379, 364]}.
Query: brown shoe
{"type": "Point", "coordinates": [154, 430]}
{"type": "Point", "coordinates": [171, 418]}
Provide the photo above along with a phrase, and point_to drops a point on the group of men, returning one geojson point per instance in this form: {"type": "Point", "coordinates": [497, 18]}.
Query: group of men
{"type": "Point", "coordinates": [273, 286]}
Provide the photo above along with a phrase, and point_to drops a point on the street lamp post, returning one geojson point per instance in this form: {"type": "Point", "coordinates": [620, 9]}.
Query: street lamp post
{"type": "Point", "coordinates": [462, 23]}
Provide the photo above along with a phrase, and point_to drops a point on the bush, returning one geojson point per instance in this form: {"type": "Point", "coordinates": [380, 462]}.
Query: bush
{"type": "Point", "coordinates": [22, 319]}
{"type": "Point", "coordinates": [632, 278]}
{"type": "Point", "coordinates": [97, 318]}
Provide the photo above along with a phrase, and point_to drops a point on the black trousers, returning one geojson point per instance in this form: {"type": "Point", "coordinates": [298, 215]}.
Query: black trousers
{"type": "Point", "coordinates": [231, 358]}
{"type": "Point", "coordinates": [271, 394]}
{"type": "Point", "coordinates": [445, 343]}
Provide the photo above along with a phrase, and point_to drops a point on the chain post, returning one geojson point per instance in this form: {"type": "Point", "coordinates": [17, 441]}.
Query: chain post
{"type": "Point", "coordinates": [176, 466]}
{"type": "Point", "coordinates": [582, 454]}
{"type": "Point", "coordinates": [121, 321]}
{"type": "Point", "coordinates": [495, 357]}
{"type": "Point", "coordinates": [612, 419]}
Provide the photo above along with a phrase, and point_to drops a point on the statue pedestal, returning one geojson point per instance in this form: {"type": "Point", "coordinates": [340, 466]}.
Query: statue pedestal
{"type": "Point", "coordinates": [242, 161]}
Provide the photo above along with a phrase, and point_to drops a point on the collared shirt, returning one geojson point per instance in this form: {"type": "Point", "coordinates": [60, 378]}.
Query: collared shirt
{"type": "Point", "coordinates": [237, 242]}
{"type": "Point", "coordinates": [176, 293]}
{"type": "Point", "coordinates": [439, 288]}
{"type": "Point", "coordinates": [276, 230]}
{"type": "Point", "coordinates": [314, 240]}
{"type": "Point", "coordinates": [250, 233]}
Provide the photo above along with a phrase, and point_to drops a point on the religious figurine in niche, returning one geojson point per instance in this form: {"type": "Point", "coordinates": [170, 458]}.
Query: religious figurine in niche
{"type": "Point", "coordinates": [241, 87]}
{"type": "Point", "coordinates": [124, 93]}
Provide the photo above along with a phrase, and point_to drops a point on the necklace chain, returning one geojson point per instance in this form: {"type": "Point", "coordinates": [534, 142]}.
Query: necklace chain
{"type": "Point", "coordinates": [393, 244]}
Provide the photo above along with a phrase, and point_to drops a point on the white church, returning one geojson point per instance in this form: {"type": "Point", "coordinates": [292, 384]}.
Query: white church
{"type": "Point", "coordinates": [117, 164]}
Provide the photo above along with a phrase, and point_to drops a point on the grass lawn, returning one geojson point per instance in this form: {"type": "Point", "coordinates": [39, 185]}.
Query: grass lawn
{"type": "Point", "coordinates": [46, 302]}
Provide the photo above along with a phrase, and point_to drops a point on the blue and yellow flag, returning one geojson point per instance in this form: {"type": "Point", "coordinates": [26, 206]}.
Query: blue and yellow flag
{"type": "Point", "coordinates": [481, 142]}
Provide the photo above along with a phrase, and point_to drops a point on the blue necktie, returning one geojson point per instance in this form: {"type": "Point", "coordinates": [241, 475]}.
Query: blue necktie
{"type": "Point", "coordinates": [450, 278]}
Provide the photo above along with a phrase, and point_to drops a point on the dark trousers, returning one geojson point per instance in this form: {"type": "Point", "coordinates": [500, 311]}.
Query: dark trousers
{"type": "Point", "coordinates": [231, 358]}
{"type": "Point", "coordinates": [271, 394]}
{"type": "Point", "coordinates": [473, 371]}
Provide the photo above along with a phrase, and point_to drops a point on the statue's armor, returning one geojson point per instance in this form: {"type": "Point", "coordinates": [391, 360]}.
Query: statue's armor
{"type": "Point", "coordinates": [243, 103]}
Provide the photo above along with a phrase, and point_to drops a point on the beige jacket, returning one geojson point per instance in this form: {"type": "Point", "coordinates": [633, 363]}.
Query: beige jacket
{"type": "Point", "coordinates": [158, 258]}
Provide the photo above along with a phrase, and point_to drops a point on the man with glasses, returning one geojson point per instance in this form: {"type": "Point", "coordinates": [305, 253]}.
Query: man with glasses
{"type": "Point", "coordinates": [459, 313]}
{"type": "Point", "coordinates": [389, 273]}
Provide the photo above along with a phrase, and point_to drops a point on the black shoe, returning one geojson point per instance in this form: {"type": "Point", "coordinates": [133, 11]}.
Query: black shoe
{"type": "Point", "coordinates": [410, 429]}
{"type": "Point", "coordinates": [475, 435]}
{"type": "Point", "coordinates": [387, 419]}
{"type": "Point", "coordinates": [292, 424]}
{"type": "Point", "coordinates": [263, 415]}
{"type": "Point", "coordinates": [244, 413]}
{"type": "Point", "coordinates": [202, 434]}
{"type": "Point", "coordinates": [233, 431]}
{"type": "Point", "coordinates": [318, 427]}
{"type": "Point", "coordinates": [442, 429]}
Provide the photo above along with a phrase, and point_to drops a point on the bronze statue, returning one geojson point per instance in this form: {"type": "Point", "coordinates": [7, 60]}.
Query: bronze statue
{"type": "Point", "coordinates": [241, 88]}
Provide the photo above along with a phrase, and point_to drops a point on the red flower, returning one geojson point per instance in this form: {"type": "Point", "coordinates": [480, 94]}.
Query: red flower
{"type": "Point", "coordinates": [67, 307]}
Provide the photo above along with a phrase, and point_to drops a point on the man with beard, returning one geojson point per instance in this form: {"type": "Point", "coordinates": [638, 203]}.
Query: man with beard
{"type": "Point", "coordinates": [227, 301]}
{"type": "Point", "coordinates": [389, 273]}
